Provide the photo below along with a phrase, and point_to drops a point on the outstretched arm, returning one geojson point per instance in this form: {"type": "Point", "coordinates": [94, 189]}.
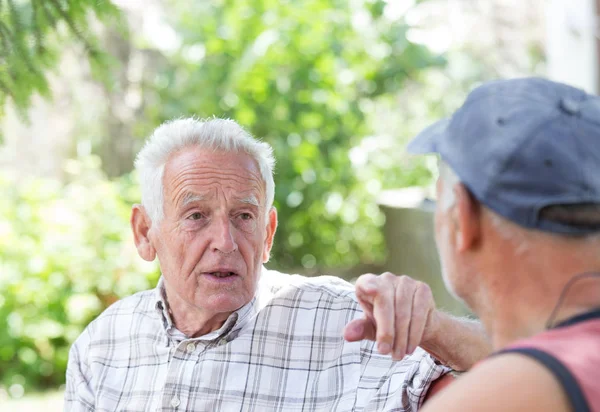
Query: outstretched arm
{"type": "Point", "coordinates": [400, 315]}
{"type": "Point", "coordinates": [456, 342]}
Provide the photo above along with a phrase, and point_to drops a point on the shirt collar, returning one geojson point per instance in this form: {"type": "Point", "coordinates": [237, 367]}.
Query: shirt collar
{"type": "Point", "coordinates": [236, 321]}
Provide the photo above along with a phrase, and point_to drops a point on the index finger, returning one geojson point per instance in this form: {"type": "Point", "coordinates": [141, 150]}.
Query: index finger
{"type": "Point", "coordinates": [376, 296]}
{"type": "Point", "coordinates": [384, 313]}
{"type": "Point", "coordinates": [367, 287]}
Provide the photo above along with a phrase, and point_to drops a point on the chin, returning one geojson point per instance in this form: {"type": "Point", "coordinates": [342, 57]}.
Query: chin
{"type": "Point", "coordinates": [222, 302]}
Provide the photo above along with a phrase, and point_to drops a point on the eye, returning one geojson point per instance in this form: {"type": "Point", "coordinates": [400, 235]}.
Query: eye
{"type": "Point", "coordinates": [196, 216]}
{"type": "Point", "coordinates": [245, 221]}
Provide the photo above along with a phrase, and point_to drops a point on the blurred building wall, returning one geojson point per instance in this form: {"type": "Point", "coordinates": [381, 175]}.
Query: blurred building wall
{"type": "Point", "coordinates": [410, 244]}
{"type": "Point", "coordinates": [572, 43]}
{"type": "Point", "coordinates": [411, 249]}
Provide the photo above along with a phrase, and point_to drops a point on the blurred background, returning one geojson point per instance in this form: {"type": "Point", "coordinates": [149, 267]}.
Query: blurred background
{"type": "Point", "coordinates": [337, 87]}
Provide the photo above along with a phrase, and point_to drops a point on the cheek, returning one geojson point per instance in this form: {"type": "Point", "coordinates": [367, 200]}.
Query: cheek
{"type": "Point", "coordinates": [446, 260]}
{"type": "Point", "coordinates": [255, 239]}
{"type": "Point", "coordinates": [444, 244]}
{"type": "Point", "coordinates": [437, 225]}
{"type": "Point", "coordinates": [180, 252]}
{"type": "Point", "coordinates": [246, 242]}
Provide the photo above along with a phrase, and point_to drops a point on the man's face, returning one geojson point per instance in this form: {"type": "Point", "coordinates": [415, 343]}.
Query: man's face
{"type": "Point", "coordinates": [214, 236]}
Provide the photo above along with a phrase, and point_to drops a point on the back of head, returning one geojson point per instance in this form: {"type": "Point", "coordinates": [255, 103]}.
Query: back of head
{"type": "Point", "coordinates": [210, 134]}
{"type": "Point", "coordinates": [528, 150]}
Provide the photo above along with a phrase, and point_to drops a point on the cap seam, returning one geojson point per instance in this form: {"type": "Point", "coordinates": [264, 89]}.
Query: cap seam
{"type": "Point", "coordinates": [588, 119]}
{"type": "Point", "coordinates": [574, 126]}
{"type": "Point", "coordinates": [511, 157]}
{"type": "Point", "coordinates": [533, 217]}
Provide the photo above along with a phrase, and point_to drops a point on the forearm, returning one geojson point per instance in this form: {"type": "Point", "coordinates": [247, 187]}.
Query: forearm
{"type": "Point", "coordinates": [456, 342]}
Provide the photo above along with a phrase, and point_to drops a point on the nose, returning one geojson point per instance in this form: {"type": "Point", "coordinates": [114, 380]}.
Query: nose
{"type": "Point", "coordinates": [223, 237]}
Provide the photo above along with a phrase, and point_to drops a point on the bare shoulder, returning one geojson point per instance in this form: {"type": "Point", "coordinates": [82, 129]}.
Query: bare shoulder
{"type": "Point", "coordinates": [509, 382]}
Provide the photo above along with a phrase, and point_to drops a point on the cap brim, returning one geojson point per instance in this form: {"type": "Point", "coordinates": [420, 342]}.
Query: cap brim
{"type": "Point", "coordinates": [427, 140]}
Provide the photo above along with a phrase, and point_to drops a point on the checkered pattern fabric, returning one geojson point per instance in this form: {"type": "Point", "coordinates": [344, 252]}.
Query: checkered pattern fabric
{"type": "Point", "coordinates": [283, 351]}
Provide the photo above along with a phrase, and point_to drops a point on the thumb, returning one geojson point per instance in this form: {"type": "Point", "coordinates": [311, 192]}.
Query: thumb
{"type": "Point", "coordinates": [359, 329]}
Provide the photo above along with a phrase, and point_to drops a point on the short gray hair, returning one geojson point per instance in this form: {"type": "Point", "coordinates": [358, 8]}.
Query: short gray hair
{"type": "Point", "coordinates": [447, 197]}
{"type": "Point", "coordinates": [570, 214]}
{"type": "Point", "coordinates": [506, 228]}
{"type": "Point", "coordinates": [213, 134]}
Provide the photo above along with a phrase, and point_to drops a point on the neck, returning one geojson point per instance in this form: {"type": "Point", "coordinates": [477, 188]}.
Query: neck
{"type": "Point", "coordinates": [524, 298]}
{"type": "Point", "coordinates": [512, 327]}
{"type": "Point", "coordinates": [189, 319]}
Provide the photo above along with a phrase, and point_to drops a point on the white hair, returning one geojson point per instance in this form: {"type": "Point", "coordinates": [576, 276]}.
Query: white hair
{"type": "Point", "coordinates": [447, 197]}
{"type": "Point", "coordinates": [212, 134]}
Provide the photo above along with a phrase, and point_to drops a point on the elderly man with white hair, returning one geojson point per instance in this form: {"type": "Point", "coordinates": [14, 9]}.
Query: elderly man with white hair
{"type": "Point", "coordinates": [518, 232]}
{"type": "Point", "coordinates": [221, 332]}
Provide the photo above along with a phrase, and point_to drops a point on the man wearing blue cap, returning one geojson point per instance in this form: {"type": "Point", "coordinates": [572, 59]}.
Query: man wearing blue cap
{"type": "Point", "coordinates": [518, 232]}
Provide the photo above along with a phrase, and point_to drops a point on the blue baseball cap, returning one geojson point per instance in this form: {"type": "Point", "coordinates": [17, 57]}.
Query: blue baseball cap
{"type": "Point", "coordinates": [522, 145]}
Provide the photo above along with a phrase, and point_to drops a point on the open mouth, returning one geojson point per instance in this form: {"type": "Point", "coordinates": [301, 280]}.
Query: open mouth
{"type": "Point", "coordinates": [222, 274]}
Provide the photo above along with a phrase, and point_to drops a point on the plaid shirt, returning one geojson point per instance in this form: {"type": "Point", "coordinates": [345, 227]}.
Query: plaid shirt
{"type": "Point", "coordinates": [283, 351]}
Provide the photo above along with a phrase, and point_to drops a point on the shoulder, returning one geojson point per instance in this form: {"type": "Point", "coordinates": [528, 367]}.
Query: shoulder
{"type": "Point", "coordinates": [118, 318]}
{"type": "Point", "coordinates": [283, 283]}
{"type": "Point", "coordinates": [141, 304]}
{"type": "Point", "coordinates": [316, 294]}
{"type": "Point", "coordinates": [504, 382]}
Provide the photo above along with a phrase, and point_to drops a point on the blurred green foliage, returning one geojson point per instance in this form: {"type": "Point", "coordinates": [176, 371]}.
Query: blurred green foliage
{"type": "Point", "coordinates": [32, 35]}
{"type": "Point", "coordinates": [66, 253]}
{"type": "Point", "coordinates": [303, 76]}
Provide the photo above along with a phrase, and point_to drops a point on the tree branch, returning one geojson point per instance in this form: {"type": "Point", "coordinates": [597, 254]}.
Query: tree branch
{"type": "Point", "coordinates": [88, 46]}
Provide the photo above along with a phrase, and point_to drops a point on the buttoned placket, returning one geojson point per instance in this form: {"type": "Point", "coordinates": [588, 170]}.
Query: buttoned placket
{"type": "Point", "coordinates": [186, 350]}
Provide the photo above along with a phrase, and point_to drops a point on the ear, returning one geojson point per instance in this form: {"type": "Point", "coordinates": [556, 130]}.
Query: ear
{"type": "Point", "coordinates": [140, 225]}
{"type": "Point", "coordinates": [467, 216]}
{"type": "Point", "coordinates": [271, 228]}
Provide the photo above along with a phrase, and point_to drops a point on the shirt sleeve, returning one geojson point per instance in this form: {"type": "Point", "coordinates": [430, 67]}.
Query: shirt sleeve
{"type": "Point", "coordinates": [387, 385]}
{"type": "Point", "coordinates": [79, 396]}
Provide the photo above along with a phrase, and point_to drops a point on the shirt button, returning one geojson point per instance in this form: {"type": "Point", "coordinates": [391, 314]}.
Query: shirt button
{"type": "Point", "coordinates": [175, 402]}
{"type": "Point", "coordinates": [190, 347]}
{"type": "Point", "coordinates": [223, 341]}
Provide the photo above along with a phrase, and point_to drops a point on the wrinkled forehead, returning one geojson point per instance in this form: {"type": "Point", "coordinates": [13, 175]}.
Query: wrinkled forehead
{"type": "Point", "coordinates": [198, 171]}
